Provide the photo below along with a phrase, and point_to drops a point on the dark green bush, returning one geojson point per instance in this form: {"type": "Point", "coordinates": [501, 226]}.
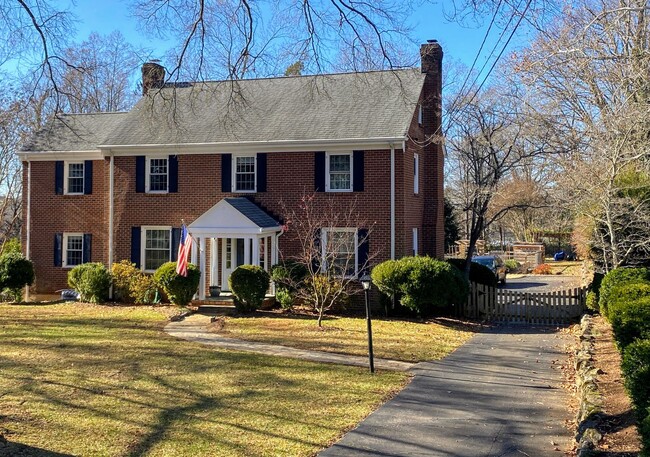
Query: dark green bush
{"type": "Point", "coordinates": [596, 282]}
{"type": "Point", "coordinates": [616, 277]}
{"type": "Point", "coordinates": [630, 320]}
{"type": "Point", "coordinates": [592, 301]}
{"type": "Point", "coordinates": [636, 371]}
{"type": "Point", "coordinates": [389, 276]}
{"type": "Point", "coordinates": [91, 280]}
{"type": "Point", "coordinates": [431, 284]}
{"type": "Point", "coordinates": [512, 265]}
{"type": "Point", "coordinates": [249, 284]}
{"type": "Point", "coordinates": [179, 289]}
{"type": "Point", "coordinates": [287, 276]}
{"type": "Point", "coordinates": [477, 273]}
{"type": "Point", "coordinates": [644, 431]}
{"type": "Point", "coordinates": [16, 272]}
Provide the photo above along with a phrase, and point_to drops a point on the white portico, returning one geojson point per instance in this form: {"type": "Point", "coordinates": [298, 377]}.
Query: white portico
{"type": "Point", "coordinates": [236, 232]}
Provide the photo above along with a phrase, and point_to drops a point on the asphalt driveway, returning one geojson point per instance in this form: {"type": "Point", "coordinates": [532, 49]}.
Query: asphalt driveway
{"type": "Point", "coordinates": [542, 283]}
{"type": "Point", "coordinates": [498, 395]}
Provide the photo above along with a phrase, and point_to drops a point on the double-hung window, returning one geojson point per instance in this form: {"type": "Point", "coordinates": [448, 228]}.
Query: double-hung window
{"type": "Point", "coordinates": [157, 174]}
{"type": "Point", "coordinates": [244, 176]}
{"type": "Point", "coordinates": [416, 173]}
{"type": "Point", "coordinates": [74, 178]}
{"type": "Point", "coordinates": [156, 247]}
{"type": "Point", "coordinates": [338, 172]}
{"type": "Point", "coordinates": [73, 248]}
{"type": "Point", "coordinates": [339, 251]}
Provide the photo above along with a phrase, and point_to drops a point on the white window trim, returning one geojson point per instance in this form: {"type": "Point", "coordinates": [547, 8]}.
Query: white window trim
{"type": "Point", "coordinates": [324, 233]}
{"type": "Point", "coordinates": [143, 243]}
{"type": "Point", "coordinates": [147, 182]}
{"type": "Point", "coordinates": [233, 179]}
{"type": "Point", "coordinates": [66, 176]}
{"type": "Point", "coordinates": [416, 240]}
{"type": "Point", "coordinates": [416, 173]}
{"type": "Point", "coordinates": [327, 171]}
{"type": "Point", "coordinates": [64, 249]}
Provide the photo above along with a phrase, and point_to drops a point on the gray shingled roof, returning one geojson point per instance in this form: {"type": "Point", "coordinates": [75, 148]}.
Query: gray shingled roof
{"type": "Point", "coordinates": [343, 106]}
{"type": "Point", "coordinates": [253, 212]}
{"type": "Point", "coordinates": [75, 132]}
{"type": "Point", "coordinates": [328, 107]}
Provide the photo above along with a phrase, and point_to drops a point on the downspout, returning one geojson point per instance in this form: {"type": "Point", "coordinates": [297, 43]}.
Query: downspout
{"type": "Point", "coordinates": [28, 216]}
{"type": "Point", "coordinates": [111, 205]}
{"type": "Point", "coordinates": [392, 202]}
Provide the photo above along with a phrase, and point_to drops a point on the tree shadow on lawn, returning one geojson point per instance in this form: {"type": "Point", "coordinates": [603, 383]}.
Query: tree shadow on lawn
{"type": "Point", "coordinates": [22, 450]}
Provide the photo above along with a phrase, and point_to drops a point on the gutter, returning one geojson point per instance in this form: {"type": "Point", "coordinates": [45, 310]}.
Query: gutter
{"type": "Point", "coordinates": [392, 202]}
{"type": "Point", "coordinates": [28, 235]}
{"type": "Point", "coordinates": [111, 208]}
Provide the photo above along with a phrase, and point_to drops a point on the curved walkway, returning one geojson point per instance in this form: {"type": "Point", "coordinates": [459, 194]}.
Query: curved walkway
{"type": "Point", "coordinates": [498, 395]}
{"type": "Point", "coordinates": [194, 328]}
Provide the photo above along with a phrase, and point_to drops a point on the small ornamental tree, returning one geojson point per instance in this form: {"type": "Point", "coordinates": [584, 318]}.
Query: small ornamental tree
{"type": "Point", "coordinates": [333, 255]}
{"type": "Point", "coordinates": [16, 272]}
{"type": "Point", "coordinates": [179, 289]}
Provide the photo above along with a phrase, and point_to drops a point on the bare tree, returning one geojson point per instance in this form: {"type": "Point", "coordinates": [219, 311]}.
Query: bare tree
{"type": "Point", "coordinates": [333, 255]}
{"type": "Point", "coordinates": [589, 71]}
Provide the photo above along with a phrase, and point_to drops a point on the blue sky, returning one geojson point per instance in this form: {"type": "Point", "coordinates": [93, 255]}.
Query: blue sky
{"type": "Point", "coordinates": [459, 43]}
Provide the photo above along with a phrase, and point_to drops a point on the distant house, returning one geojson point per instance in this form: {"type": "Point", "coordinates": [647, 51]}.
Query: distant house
{"type": "Point", "coordinates": [221, 155]}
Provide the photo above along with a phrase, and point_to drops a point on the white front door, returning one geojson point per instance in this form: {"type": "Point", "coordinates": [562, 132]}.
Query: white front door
{"type": "Point", "coordinates": [232, 256]}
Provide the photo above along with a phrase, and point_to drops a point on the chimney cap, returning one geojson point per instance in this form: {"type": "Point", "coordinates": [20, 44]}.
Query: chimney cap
{"type": "Point", "coordinates": [432, 41]}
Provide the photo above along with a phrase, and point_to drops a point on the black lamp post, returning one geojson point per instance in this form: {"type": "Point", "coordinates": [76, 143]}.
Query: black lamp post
{"type": "Point", "coordinates": [366, 282]}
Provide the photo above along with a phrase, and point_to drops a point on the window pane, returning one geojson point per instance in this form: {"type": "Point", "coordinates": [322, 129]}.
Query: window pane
{"type": "Point", "coordinates": [341, 251]}
{"type": "Point", "coordinates": [76, 178]}
{"type": "Point", "coordinates": [74, 250]}
{"type": "Point", "coordinates": [157, 248]}
{"type": "Point", "coordinates": [245, 173]}
{"type": "Point", "coordinates": [340, 163]}
{"type": "Point", "coordinates": [158, 175]}
{"type": "Point", "coordinates": [339, 173]}
{"type": "Point", "coordinates": [339, 181]}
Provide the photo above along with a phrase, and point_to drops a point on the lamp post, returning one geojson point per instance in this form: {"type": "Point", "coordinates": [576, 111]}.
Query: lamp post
{"type": "Point", "coordinates": [366, 282]}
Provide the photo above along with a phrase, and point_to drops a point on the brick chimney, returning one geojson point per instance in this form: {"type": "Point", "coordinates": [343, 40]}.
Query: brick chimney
{"type": "Point", "coordinates": [153, 76]}
{"type": "Point", "coordinates": [431, 55]}
{"type": "Point", "coordinates": [433, 164]}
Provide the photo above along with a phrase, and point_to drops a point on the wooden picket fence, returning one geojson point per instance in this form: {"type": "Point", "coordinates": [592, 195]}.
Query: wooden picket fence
{"type": "Point", "coordinates": [513, 306]}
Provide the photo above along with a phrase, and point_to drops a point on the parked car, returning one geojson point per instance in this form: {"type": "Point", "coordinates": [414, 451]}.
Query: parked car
{"type": "Point", "coordinates": [494, 263]}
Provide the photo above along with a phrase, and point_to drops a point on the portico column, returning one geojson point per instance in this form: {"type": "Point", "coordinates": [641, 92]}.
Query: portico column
{"type": "Point", "coordinates": [202, 267]}
{"type": "Point", "coordinates": [247, 251]}
{"type": "Point", "coordinates": [256, 252]}
{"type": "Point", "coordinates": [213, 262]}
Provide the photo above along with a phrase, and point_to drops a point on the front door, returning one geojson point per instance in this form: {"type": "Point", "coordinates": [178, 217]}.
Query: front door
{"type": "Point", "coordinates": [232, 256]}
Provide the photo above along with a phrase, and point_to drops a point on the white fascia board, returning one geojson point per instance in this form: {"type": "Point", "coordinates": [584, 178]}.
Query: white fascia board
{"type": "Point", "coordinates": [231, 232]}
{"type": "Point", "coordinates": [48, 156]}
{"type": "Point", "coordinates": [344, 144]}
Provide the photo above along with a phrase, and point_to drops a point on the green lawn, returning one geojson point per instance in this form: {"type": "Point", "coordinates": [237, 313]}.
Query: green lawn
{"type": "Point", "coordinates": [89, 380]}
{"type": "Point", "coordinates": [392, 339]}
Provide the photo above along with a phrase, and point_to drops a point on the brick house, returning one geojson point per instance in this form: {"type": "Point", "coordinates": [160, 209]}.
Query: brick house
{"type": "Point", "coordinates": [222, 155]}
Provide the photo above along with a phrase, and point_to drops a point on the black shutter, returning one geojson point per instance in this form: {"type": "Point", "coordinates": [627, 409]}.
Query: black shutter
{"type": "Point", "coordinates": [261, 172]}
{"type": "Point", "coordinates": [317, 254]}
{"type": "Point", "coordinates": [88, 241]}
{"type": "Point", "coordinates": [58, 177]}
{"type": "Point", "coordinates": [226, 172]}
{"type": "Point", "coordinates": [357, 166]}
{"type": "Point", "coordinates": [319, 172]}
{"type": "Point", "coordinates": [173, 173]}
{"type": "Point", "coordinates": [135, 246]}
{"type": "Point", "coordinates": [88, 177]}
{"type": "Point", "coordinates": [176, 239]}
{"type": "Point", "coordinates": [363, 245]}
{"type": "Point", "coordinates": [140, 162]}
{"type": "Point", "coordinates": [58, 249]}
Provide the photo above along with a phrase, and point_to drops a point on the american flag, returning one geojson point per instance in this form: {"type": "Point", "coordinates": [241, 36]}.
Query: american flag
{"type": "Point", "coordinates": [184, 248]}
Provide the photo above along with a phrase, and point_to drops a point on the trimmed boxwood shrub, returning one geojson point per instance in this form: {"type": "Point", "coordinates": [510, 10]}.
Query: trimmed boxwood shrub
{"type": "Point", "coordinates": [431, 284]}
{"type": "Point", "coordinates": [630, 320]}
{"type": "Point", "coordinates": [389, 276]}
{"type": "Point", "coordinates": [644, 431]}
{"type": "Point", "coordinates": [288, 274]}
{"type": "Point", "coordinates": [179, 289]}
{"type": "Point", "coordinates": [477, 273]}
{"type": "Point", "coordinates": [592, 301]}
{"type": "Point", "coordinates": [636, 371]}
{"type": "Point", "coordinates": [16, 272]}
{"type": "Point", "coordinates": [249, 284]}
{"type": "Point", "coordinates": [91, 280]}
{"type": "Point", "coordinates": [616, 277]}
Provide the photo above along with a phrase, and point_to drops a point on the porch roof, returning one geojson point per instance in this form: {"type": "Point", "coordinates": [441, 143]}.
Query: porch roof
{"type": "Point", "coordinates": [234, 216]}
